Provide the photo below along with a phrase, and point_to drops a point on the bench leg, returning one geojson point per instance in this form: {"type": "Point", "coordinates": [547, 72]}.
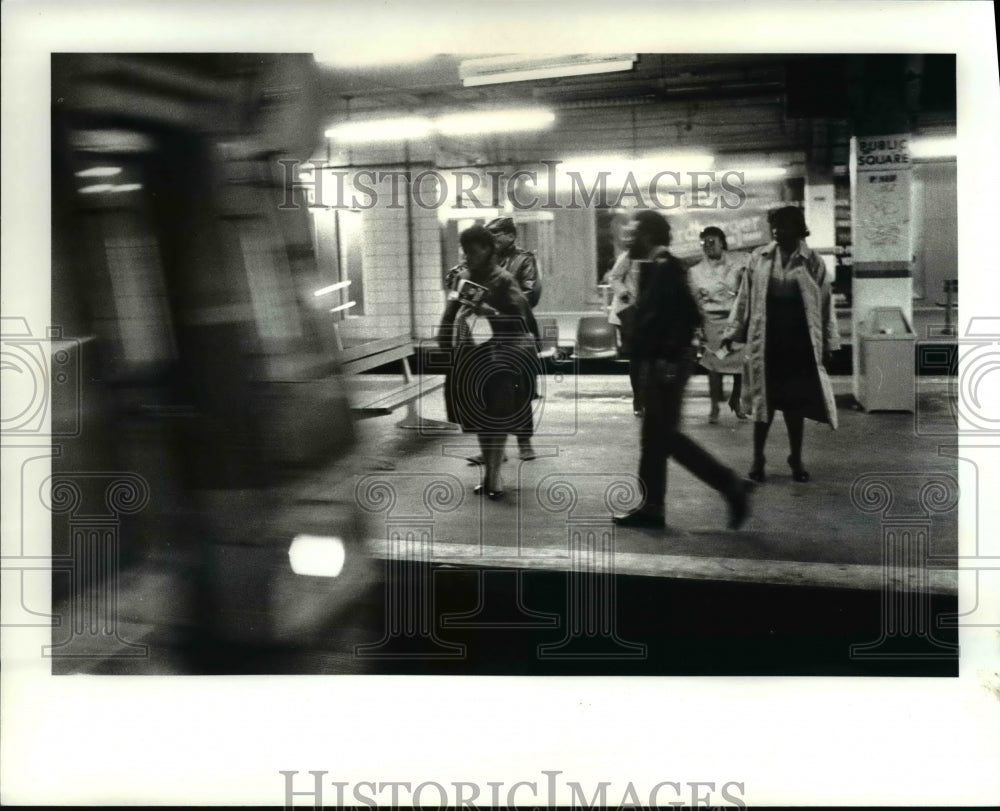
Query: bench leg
{"type": "Point", "coordinates": [414, 422]}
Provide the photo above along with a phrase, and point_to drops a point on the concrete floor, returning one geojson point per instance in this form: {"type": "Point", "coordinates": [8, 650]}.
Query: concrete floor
{"type": "Point", "coordinates": [788, 593]}
{"type": "Point", "coordinates": [587, 441]}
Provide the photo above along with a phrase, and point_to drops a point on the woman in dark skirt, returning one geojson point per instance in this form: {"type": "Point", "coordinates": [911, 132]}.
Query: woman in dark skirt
{"type": "Point", "coordinates": [784, 312]}
{"type": "Point", "coordinates": [485, 389]}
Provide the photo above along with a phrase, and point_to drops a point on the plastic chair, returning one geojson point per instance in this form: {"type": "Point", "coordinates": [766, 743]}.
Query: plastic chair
{"type": "Point", "coordinates": [595, 338]}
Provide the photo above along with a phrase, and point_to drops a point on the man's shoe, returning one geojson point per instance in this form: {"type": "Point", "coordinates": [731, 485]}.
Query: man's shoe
{"type": "Point", "coordinates": [738, 500]}
{"type": "Point", "coordinates": [641, 519]}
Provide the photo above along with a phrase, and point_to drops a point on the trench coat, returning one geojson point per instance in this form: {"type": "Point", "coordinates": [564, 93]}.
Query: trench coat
{"type": "Point", "coordinates": [748, 323]}
{"type": "Point", "coordinates": [488, 385]}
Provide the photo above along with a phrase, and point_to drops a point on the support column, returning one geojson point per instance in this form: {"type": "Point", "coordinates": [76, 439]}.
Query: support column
{"type": "Point", "coordinates": [880, 194]}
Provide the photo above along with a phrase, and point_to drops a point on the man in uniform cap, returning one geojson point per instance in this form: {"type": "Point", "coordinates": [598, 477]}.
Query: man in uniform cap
{"type": "Point", "coordinates": [520, 264]}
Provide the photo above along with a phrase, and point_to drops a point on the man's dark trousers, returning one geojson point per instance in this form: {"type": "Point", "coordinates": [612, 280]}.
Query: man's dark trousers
{"type": "Point", "coordinates": [663, 394]}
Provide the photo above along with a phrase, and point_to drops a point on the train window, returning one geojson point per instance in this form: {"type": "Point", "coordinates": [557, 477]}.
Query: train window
{"type": "Point", "coordinates": [140, 300]}
{"type": "Point", "coordinates": [272, 290]}
{"type": "Point", "coordinates": [350, 242]}
{"type": "Point", "coordinates": [340, 259]}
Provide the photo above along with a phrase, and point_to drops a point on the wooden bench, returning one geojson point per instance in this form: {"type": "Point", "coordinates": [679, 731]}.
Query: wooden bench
{"type": "Point", "coordinates": [374, 395]}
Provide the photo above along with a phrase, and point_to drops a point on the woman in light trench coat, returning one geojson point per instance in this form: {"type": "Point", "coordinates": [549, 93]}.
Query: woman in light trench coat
{"type": "Point", "coordinates": [784, 313]}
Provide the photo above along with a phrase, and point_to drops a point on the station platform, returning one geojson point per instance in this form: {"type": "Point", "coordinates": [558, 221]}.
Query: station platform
{"type": "Point", "coordinates": [587, 443]}
{"type": "Point", "coordinates": [811, 556]}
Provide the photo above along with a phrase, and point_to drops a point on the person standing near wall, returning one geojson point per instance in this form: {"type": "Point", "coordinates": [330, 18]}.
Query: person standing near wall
{"type": "Point", "coordinates": [523, 266]}
{"type": "Point", "coordinates": [715, 280]}
{"type": "Point", "coordinates": [623, 281]}
{"type": "Point", "coordinates": [484, 390]}
{"type": "Point", "coordinates": [666, 321]}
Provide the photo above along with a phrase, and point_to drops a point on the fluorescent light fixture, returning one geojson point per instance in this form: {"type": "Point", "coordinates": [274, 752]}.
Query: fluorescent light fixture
{"type": "Point", "coordinates": [523, 68]}
{"type": "Point", "coordinates": [125, 187]}
{"type": "Point", "coordinates": [485, 121]}
{"type": "Point", "coordinates": [332, 288]}
{"type": "Point", "coordinates": [385, 129]}
{"type": "Point", "coordinates": [96, 188]}
{"type": "Point", "coordinates": [477, 122]}
{"type": "Point", "coordinates": [345, 306]}
{"type": "Point", "coordinates": [673, 162]}
{"type": "Point", "coordinates": [100, 171]}
{"type": "Point", "coordinates": [112, 141]}
{"type": "Point", "coordinates": [317, 556]}
{"type": "Point", "coordinates": [757, 172]}
{"type": "Point", "coordinates": [940, 146]}
{"type": "Point", "coordinates": [593, 164]}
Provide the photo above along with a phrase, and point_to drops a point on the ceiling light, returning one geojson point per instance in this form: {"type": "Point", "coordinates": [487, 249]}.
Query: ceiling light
{"type": "Point", "coordinates": [522, 68]}
{"type": "Point", "coordinates": [478, 122]}
{"type": "Point", "coordinates": [97, 188]}
{"type": "Point", "coordinates": [100, 171]}
{"type": "Point", "coordinates": [940, 146]}
{"type": "Point", "coordinates": [673, 162]}
{"type": "Point", "coordinates": [386, 129]}
{"type": "Point", "coordinates": [112, 141]}
{"type": "Point", "coordinates": [125, 187]}
{"type": "Point", "coordinates": [760, 172]}
{"type": "Point", "coordinates": [485, 121]}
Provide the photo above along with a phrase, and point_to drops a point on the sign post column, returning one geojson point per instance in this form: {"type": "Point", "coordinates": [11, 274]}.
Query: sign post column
{"type": "Point", "coordinates": [880, 226]}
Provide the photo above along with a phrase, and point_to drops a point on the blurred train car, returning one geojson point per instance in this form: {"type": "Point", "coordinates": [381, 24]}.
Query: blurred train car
{"type": "Point", "coordinates": [184, 290]}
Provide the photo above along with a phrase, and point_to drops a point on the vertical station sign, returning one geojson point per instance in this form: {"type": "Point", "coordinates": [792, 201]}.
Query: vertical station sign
{"type": "Point", "coordinates": [880, 228]}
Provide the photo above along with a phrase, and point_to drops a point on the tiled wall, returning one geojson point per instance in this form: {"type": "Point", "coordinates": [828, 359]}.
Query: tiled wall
{"type": "Point", "coordinates": [387, 283]}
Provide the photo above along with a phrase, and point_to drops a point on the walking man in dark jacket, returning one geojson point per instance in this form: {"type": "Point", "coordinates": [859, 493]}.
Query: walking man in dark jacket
{"type": "Point", "coordinates": [666, 321]}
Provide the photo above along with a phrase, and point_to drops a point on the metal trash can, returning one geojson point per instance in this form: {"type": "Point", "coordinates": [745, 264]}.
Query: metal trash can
{"type": "Point", "coordinates": [886, 376]}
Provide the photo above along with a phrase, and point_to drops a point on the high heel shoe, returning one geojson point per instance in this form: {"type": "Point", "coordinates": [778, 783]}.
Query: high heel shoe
{"type": "Point", "coordinates": [757, 471]}
{"type": "Point", "coordinates": [493, 495]}
{"type": "Point", "coordinates": [713, 415]}
{"type": "Point", "coordinates": [799, 473]}
{"type": "Point", "coordinates": [737, 408]}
